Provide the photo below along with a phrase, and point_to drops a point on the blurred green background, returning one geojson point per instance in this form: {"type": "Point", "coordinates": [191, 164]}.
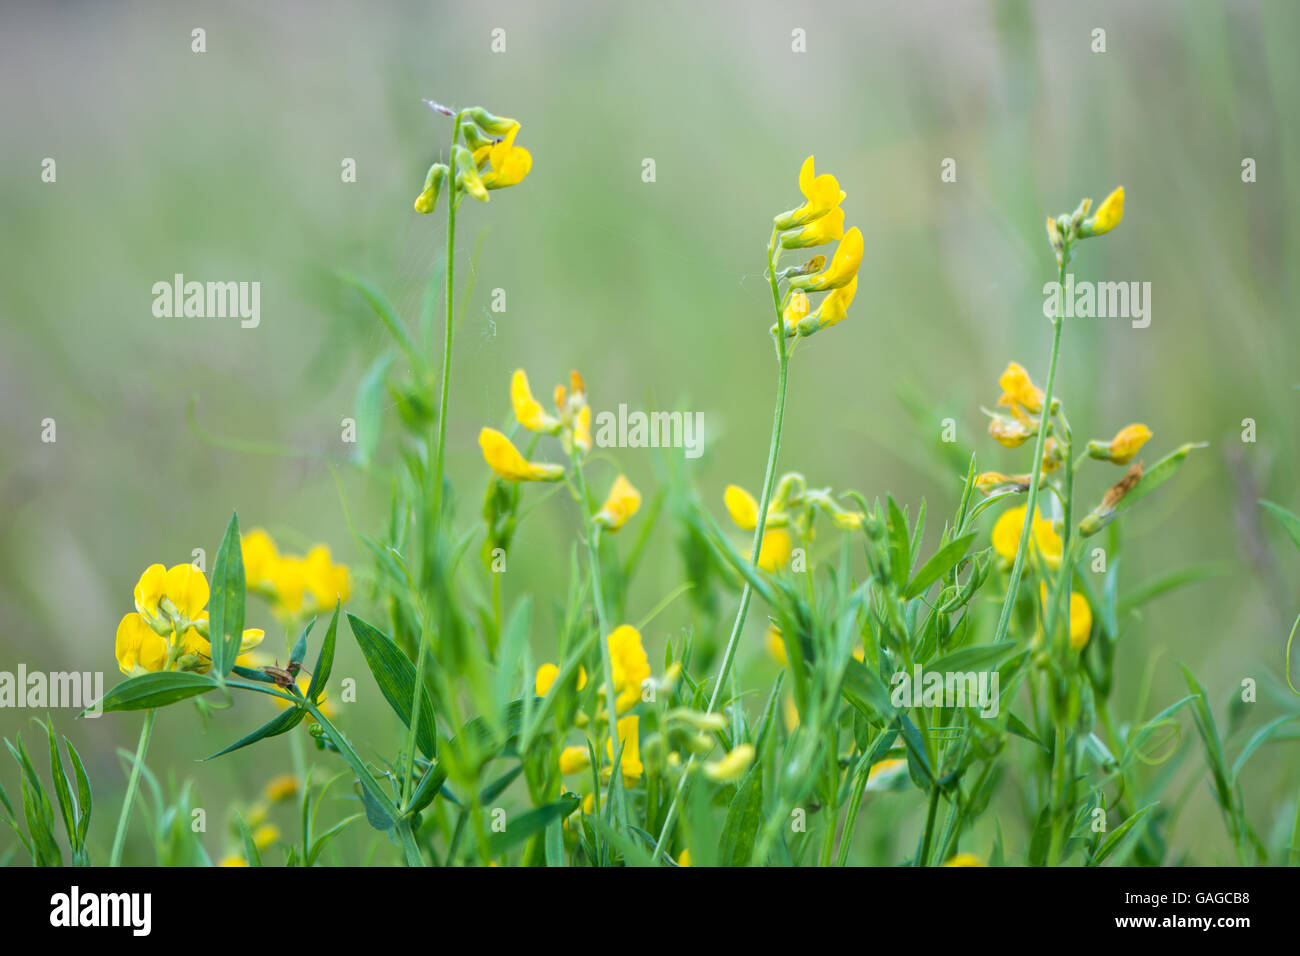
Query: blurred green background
{"type": "Point", "coordinates": [226, 166]}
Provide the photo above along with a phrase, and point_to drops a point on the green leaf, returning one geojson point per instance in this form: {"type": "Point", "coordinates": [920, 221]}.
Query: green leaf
{"type": "Point", "coordinates": [532, 821]}
{"type": "Point", "coordinates": [900, 548]}
{"type": "Point", "coordinates": [395, 675]}
{"type": "Point", "coordinates": [387, 314]}
{"type": "Point", "coordinates": [325, 659]}
{"type": "Point", "coordinates": [300, 646]}
{"type": "Point", "coordinates": [251, 854]}
{"type": "Point", "coordinates": [918, 760]}
{"type": "Point", "coordinates": [62, 787]}
{"type": "Point", "coordinates": [226, 606]}
{"type": "Point", "coordinates": [744, 816]}
{"type": "Point", "coordinates": [1204, 720]}
{"type": "Point", "coordinates": [37, 809]}
{"type": "Point", "coordinates": [1290, 523]}
{"type": "Point", "coordinates": [84, 801]}
{"type": "Point", "coordinates": [1261, 737]}
{"type": "Point", "coordinates": [279, 724]}
{"type": "Point", "coordinates": [1109, 845]}
{"type": "Point", "coordinates": [156, 690]}
{"type": "Point", "coordinates": [320, 842]}
{"type": "Point", "coordinates": [943, 561]}
{"type": "Point", "coordinates": [370, 409]}
{"type": "Point", "coordinates": [977, 657]}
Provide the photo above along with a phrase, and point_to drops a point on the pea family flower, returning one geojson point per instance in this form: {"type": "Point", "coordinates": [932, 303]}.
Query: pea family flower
{"type": "Point", "coordinates": [1011, 432]}
{"type": "Point", "coordinates": [622, 503]}
{"type": "Point", "coordinates": [1107, 216]}
{"type": "Point", "coordinates": [428, 198]}
{"type": "Point", "coordinates": [775, 550]}
{"type": "Point", "coordinates": [994, 482]}
{"type": "Point", "coordinates": [169, 628]}
{"type": "Point", "coordinates": [1006, 536]}
{"type": "Point", "coordinates": [834, 308]}
{"type": "Point", "coordinates": [629, 665]}
{"type": "Point", "coordinates": [547, 675]}
{"type": "Point", "coordinates": [1121, 449]}
{"type": "Point", "coordinates": [528, 410]}
{"type": "Point", "coordinates": [965, 859]}
{"type": "Point", "coordinates": [297, 585]}
{"type": "Point", "coordinates": [731, 767]}
{"type": "Point", "coordinates": [281, 788]}
{"type": "Point", "coordinates": [504, 459]}
{"type": "Point", "coordinates": [628, 739]}
{"type": "Point", "coordinates": [824, 229]}
{"type": "Point", "coordinates": [1080, 617]}
{"type": "Point", "coordinates": [741, 506]}
{"type": "Point", "coordinates": [821, 195]}
{"type": "Point", "coordinates": [508, 164]}
{"type": "Point", "coordinates": [776, 645]}
{"type": "Point", "coordinates": [843, 268]}
{"type": "Point", "coordinates": [1019, 389]}
{"type": "Point", "coordinates": [576, 759]}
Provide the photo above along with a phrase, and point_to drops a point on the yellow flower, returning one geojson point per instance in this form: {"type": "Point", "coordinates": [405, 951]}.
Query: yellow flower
{"type": "Point", "coordinates": [1006, 536]}
{"type": "Point", "coordinates": [965, 859]}
{"type": "Point", "coordinates": [741, 506]}
{"type": "Point", "coordinates": [281, 788]}
{"type": "Point", "coordinates": [233, 860]}
{"type": "Point", "coordinates": [1123, 446]}
{"type": "Point", "coordinates": [328, 582]}
{"type": "Point", "coordinates": [834, 308]}
{"type": "Point", "coordinates": [824, 229]}
{"type": "Point", "coordinates": [776, 646]}
{"type": "Point", "coordinates": [622, 503]}
{"type": "Point", "coordinates": [1107, 216]}
{"type": "Point", "coordinates": [1019, 388]}
{"type": "Point", "coordinates": [627, 739]}
{"type": "Point", "coordinates": [505, 460]}
{"type": "Point", "coordinates": [575, 759]}
{"type": "Point", "coordinates": [260, 557]}
{"type": "Point", "coordinates": [821, 195]}
{"type": "Point", "coordinates": [139, 649]}
{"type": "Point", "coordinates": [843, 268]}
{"type": "Point", "coordinates": [582, 428]}
{"type": "Point", "coordinates": [991, 482]}
{"type": "Point", "coordinates": [183, 585]}
{"type": "Point", "coordinates": [1080, 617]}
{"type": "Point", "coordinates": [509, 163]}
{"type": "Point", "coordinates": [1011, 432]}
{"type": "Point", "coordinates": [265, 835]}
{"type": "Point", "coordinates": [685, 858]}
{"type": "Point", "coordinates": [428, 198]}
{"type": "Point", "coordinates": [546, 675]}
{"type": "Point", "coordinates": [628, 664]}
{"type": "Point", "coordinates": [795, 310]}
{"type": "Point", "coordinates": [731, 767]}
{"type": "Point", "coordinates": [528, 409]}
{"type": "Point", "coordinates": [775, 550]}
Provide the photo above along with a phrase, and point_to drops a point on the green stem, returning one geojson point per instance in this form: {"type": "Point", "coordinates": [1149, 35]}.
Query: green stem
{"type": "Point", "coordinates": [448, 332]}
{"type": "Point", "coordinates": [133, 783]}
{"type": "Point", "coordinates": [1031, 505]}
{"type": "Point", "coordinates": [769, 480]}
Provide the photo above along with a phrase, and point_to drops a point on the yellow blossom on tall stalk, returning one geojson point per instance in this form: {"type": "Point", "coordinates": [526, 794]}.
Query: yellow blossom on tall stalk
{"type": "Point", "coordinates": [821, 195]}
{"type": "Point", "coordinates": [169, 628]}
{"type": "Point", "coordinates": [731, 767]}
{"type": "Point", "coordinates": [741, 506]}
{"type": "Point", "coordinates": [1107, 216]}
{"type": "Point", "coordinates": [775, 551]}
{"type": "Point", "coordinates": [504, 459]}
{"type": "Point", "coordinates": [1018, 388]}
{"type": "Point", "coordinates": [1080, 617]}
{"type": "Point", "coordinates": [1121, 449]}
{"type": "Point", "coordinates": [622, 504]}
{"type": "Point", "coordinates": [297, 585]}
{"type": "Point", "coordinates": [508, 164]}
{"type": "Point", "coordinates": [628, 739]}
{"type": "Point", "coordinates": [842, 270]}
{"type": "Point", "coordinates": [1006, 536]}
{"type": "Point", "coordinates": [528, 410]}
{"type": "Point", "coordinates": [629, 664]}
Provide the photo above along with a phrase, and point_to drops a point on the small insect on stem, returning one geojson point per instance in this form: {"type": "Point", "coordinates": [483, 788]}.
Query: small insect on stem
{"type": "Point", "coordinates": [286, 676]}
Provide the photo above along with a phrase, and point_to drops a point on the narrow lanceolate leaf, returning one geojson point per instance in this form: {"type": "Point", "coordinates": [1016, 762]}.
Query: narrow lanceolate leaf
{"type": "Point", "coordinates": [37, 809]}
{"type": "Point", "coordinates": [83, 791]}
{"type": "Point", "coordinates": [971, 658]}
{"type": "Point", "coordinates": [281, 723]}
{"type": "Point", "coordinates": [156, 690]}
{"type": "Point", "coordinates": [744, 816]}
{"type": "Point", "coordinates": [943, 561]}
{"type": "Point", "coordinates": [524, 825]}
{"type": "Point", "coordinates": [300, 646]}
{"type": "Point", "coordinates": [62, 786]}
{"type": "Point", "coordinates": [325, 659]}
{"type": "Point", "coordinates": [395, 675]}
{"type": "Point", "coordinates": [1112, 842]}
{"type": "Point", "coordinates": [226, 606]}
{"type": "Point", "coordinates": [1290, 523]}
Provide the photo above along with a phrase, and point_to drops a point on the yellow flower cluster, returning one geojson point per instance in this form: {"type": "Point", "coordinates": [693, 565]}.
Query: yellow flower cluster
{"type": "Point", "coordinates": [482, 163]}
{"type": "Point", "coordinates": [819, 221]}
{"type": "Point", "coordinates": [1022, 399]}
{"type": "Point", "coordinates": [297, 585]}
{"type": "Point", "coordinates": [168, 630]}
{"type": "Point", "coordinates": [792, 496]}
{"type": "Point", "coordinates": [1063, 230]}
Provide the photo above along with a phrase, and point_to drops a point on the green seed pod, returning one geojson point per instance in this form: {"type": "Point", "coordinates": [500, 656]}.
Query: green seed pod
{"type": "Point", "coordinates": [496, 125]}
